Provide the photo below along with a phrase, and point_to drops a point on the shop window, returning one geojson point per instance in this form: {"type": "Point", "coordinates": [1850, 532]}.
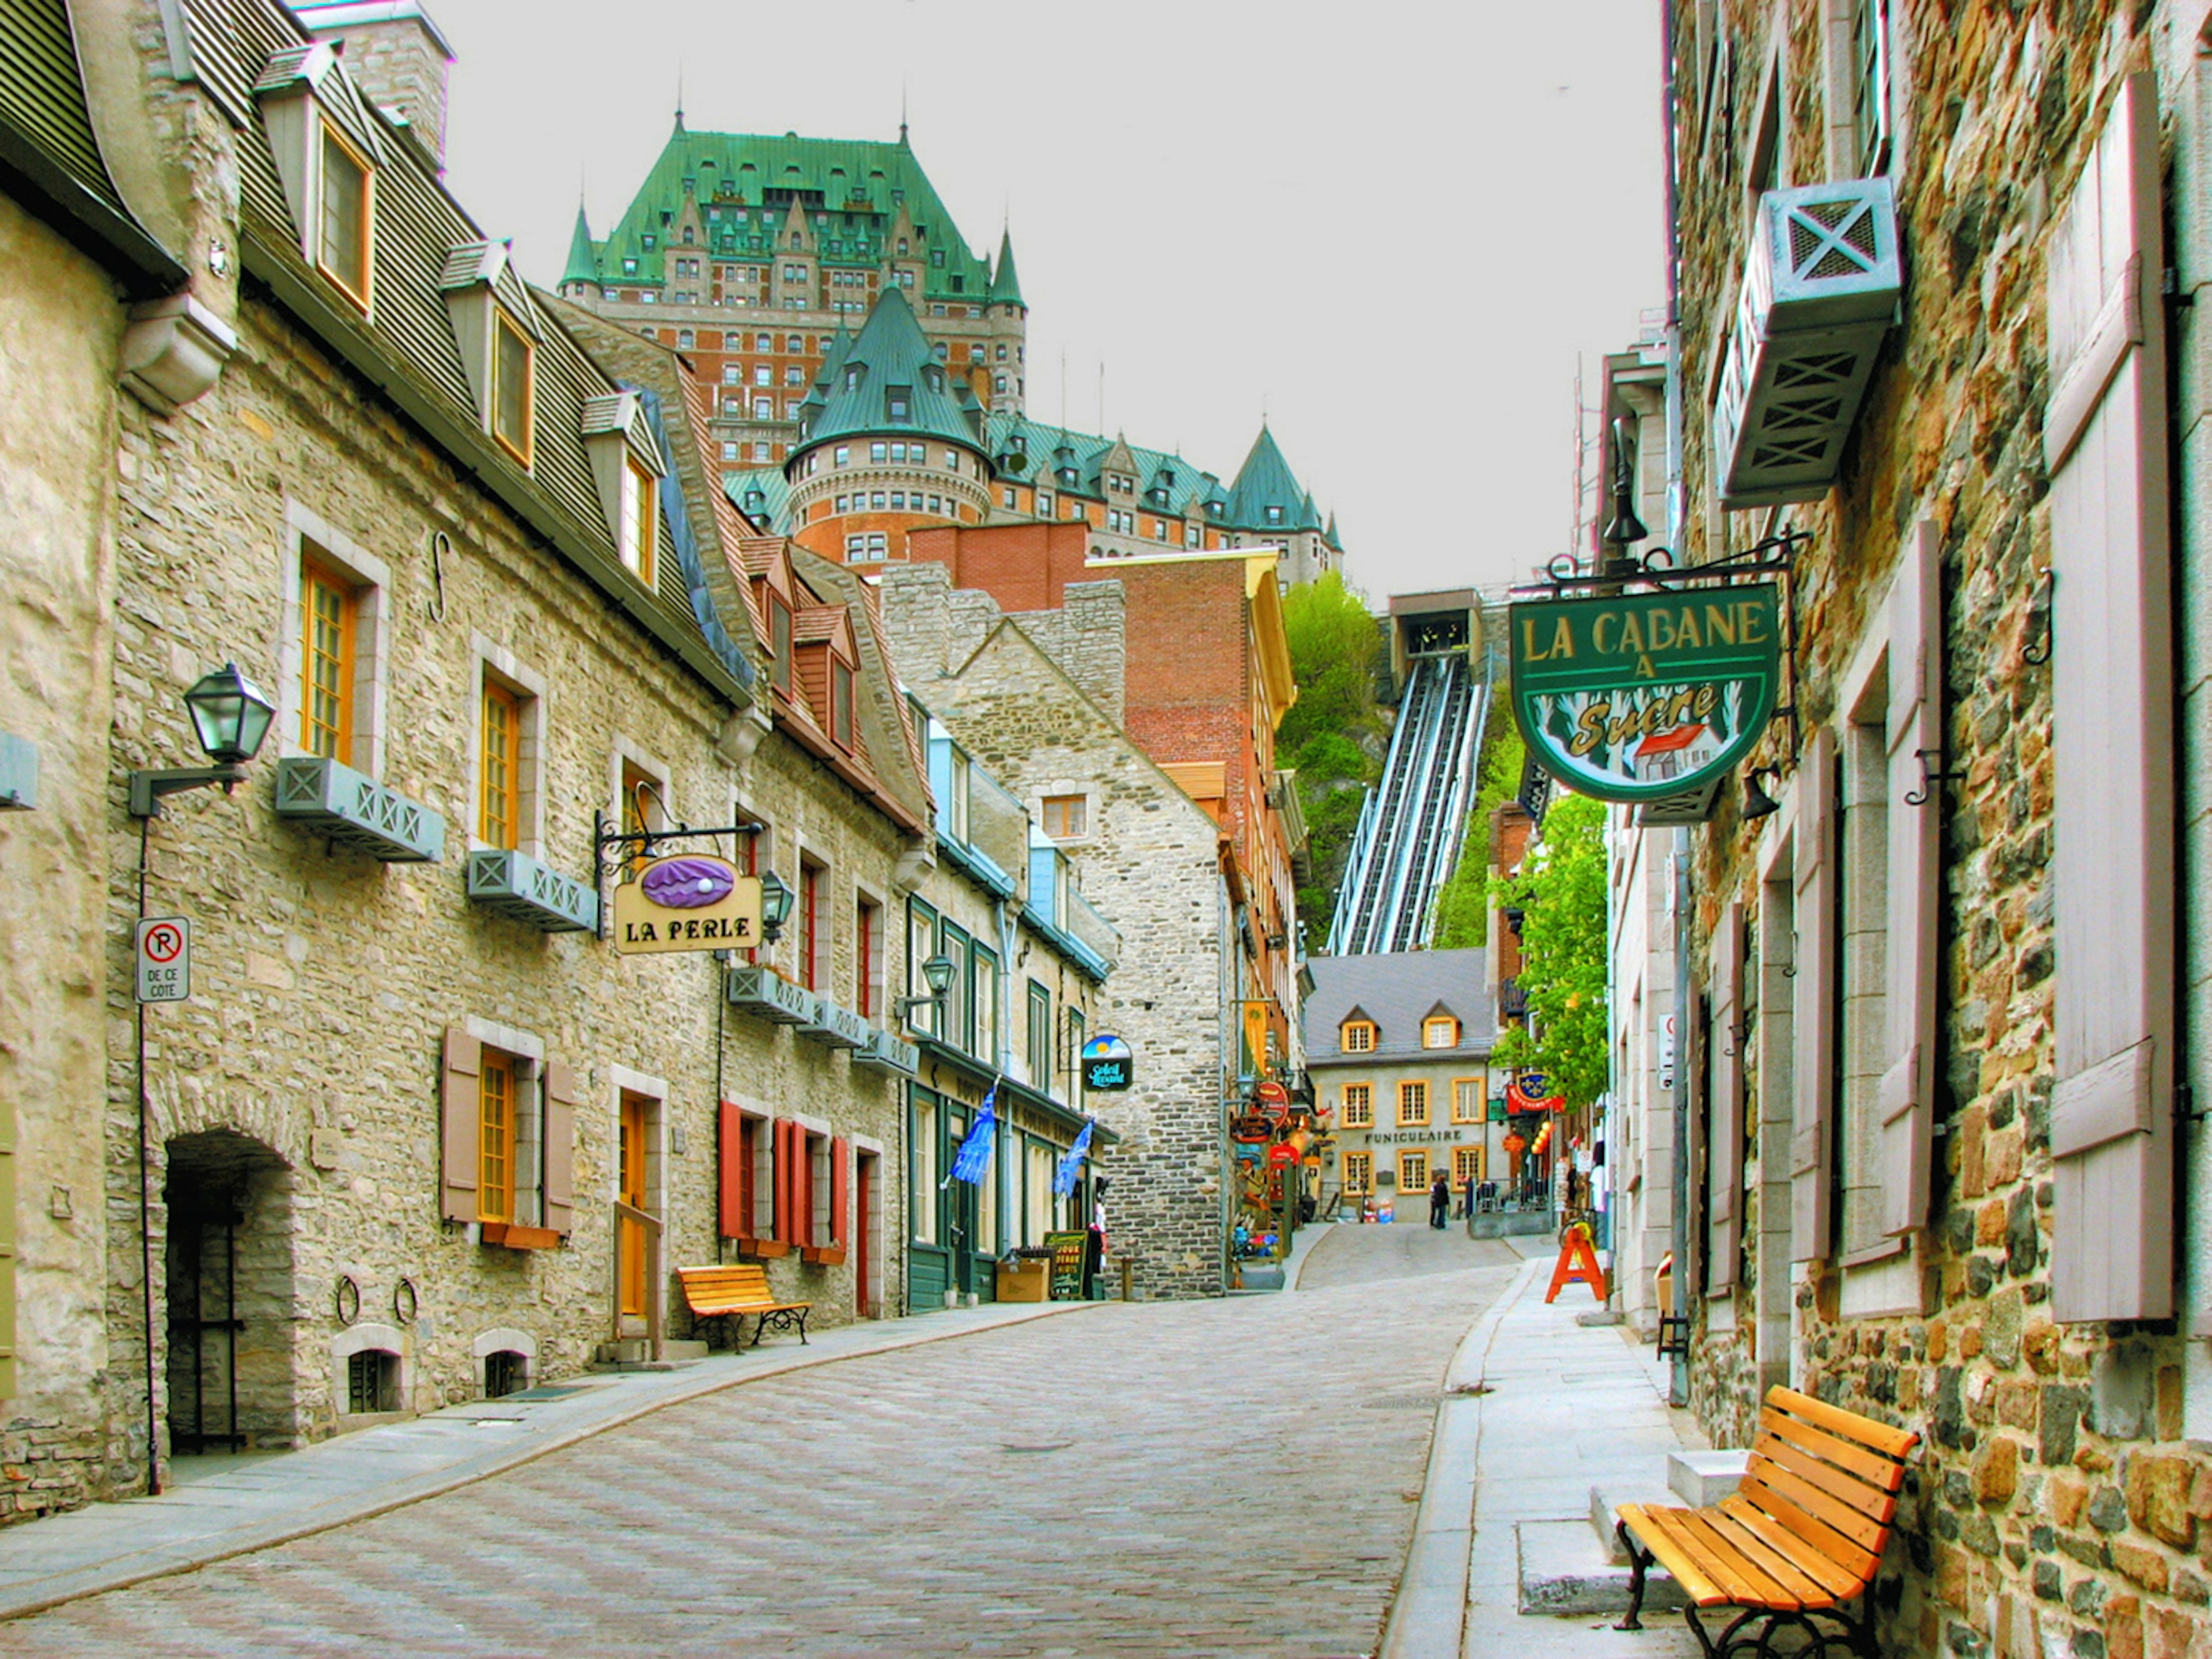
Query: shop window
{"type": "Point", "coordinates": [923, 1160]}
{"type": "Point", "coordinates": [1359, 1105]}
{"type": "Point", "coordinates": [1413, 1104]}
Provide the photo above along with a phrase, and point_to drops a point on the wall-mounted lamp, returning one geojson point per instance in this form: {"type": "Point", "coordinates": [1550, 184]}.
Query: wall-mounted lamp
{"type": "Point", "coordinates": [231, 717]}
{"type": "Point", "coordinates": [775, 906]}
{"type": "Point", "coordinates": [936, 974]}
{"type": "Point", "coordinates": [1757, 801]}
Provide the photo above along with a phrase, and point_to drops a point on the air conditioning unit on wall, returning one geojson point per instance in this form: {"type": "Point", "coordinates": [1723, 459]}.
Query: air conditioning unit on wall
{"type": "Point", "coordinates": [1819, 291]}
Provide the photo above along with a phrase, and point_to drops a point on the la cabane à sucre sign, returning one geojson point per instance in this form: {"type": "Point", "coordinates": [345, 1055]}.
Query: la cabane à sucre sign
{"type": "Point", "coordinates": [691, 902]}
{"type": "Point", "coordinates": [1637, 698]}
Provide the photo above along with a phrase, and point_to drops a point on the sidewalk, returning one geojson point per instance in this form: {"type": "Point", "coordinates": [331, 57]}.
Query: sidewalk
{"type": "Point", "coordinates": [1567, 1407]}
{"type": "Point", "coordinates": [223, 1507]}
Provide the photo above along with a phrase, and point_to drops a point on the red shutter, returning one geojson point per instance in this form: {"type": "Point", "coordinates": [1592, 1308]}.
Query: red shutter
{"type": "Point", "coordinates": [560, 1125]}
{"type": "Point", "coordinates": [2112, 742]}
{"type": "Point", "coordinates": [1725, 1175]}
{"type": "Point", "coordinates": [1812, 1018]}
{"type": "Point", "coordinates": [841, 1158]}
{"type": "Point", "coordinates": [1906, 1098]}
{"type": "Point", "coordinates": [732, 1155]}
{"type": "Point", "coordinates": [462, 1111]}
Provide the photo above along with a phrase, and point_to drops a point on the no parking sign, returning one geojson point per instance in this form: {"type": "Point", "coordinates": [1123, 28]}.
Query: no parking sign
{"type": "Point", "coordinates": [165, 959]}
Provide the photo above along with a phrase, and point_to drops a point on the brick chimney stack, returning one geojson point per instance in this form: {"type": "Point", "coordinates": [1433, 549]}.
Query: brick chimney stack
{"type": "Point", "coordinates": [395, 55]}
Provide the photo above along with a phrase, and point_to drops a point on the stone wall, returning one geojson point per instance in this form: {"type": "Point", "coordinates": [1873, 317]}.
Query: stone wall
{"type": "Point", "coordinates": [2056, 1508]}
{"type": "Point", "coordinates": [59, 326]}
{"type": "Point", "coordinates": [325, 981]}
{"type": "Point", "coordinates": [1150, 865]}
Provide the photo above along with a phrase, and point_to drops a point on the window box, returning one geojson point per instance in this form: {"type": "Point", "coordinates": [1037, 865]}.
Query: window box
{"type": "Point", "coordinates": [764, 1247]}
{"type": "Point", "coordinates": [762, 991]}
{"type": "Point", "coordinates": [834, 1027]}
{"type": "Point", "coordinates": [889, 1053]}
{"type": "Point", "coordinates": [826, 1255]}
{"type": "Point", "coordinates": [358, 811]}
{"type": "Point", "coordinates": [514, 1236]}
{"type": "Point", "coordinates": [1820, 290]}
{"type": "Point", "coordinates": [517, 886]}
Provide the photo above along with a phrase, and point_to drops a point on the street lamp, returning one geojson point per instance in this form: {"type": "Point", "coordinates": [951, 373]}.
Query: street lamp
{"type": "Point", "coordinates": [775, 906]}
{"type": "Point", "coordinates": [936, 974]}
{"type": "Point", "coordinates": [230, 716]}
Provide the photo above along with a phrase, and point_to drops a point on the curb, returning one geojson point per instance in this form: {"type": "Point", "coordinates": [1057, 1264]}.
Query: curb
{"type": "Point", "coordinates": [1428, 1615]}
{"type": "Point", "coordinates": [190, 1558]}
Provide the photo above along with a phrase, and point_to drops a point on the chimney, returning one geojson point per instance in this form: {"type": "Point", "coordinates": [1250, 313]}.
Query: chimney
{"type": "Point", "coordinates": [395, 55]}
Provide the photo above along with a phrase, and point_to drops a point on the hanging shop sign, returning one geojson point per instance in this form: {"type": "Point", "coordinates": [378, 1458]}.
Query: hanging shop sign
{"type": "Point", "coordinates": [1108, 1065]}
{"type": "Point", "coordinates": [1640, 698]}
{"type": "Point", "coordinates": [693, 901]}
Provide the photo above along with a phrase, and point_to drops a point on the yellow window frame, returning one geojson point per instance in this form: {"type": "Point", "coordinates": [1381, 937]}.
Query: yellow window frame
{"type": "Point", "coordinates": [1359, 1172]}
{"type": "Point", "coordinates": [1414, 1170]}
{"type": "Point", "coordinates": [499, 788]}
{"type": "Point", "coordinates": [495, 1138]}
{"type": "Point", "coordinates": [1413, 1105]}
{"type": "Point", "coordinates": [1443, 1023]}
{"type": "Point", "coordinates": [1465, 1158]}
{"type": "Point", "coordinates": [1357, 1036]}
{"type": "Point", "coordinates": [329, 619]}
{"type": "Point", "coordinates": [1475, 1090]}
{"type": "Point", "coordinates": [365, 228]}
{"type": "Point", "coordinates": [1358, 1106]}
{"type": "Point", "coordinates": [506, 336]}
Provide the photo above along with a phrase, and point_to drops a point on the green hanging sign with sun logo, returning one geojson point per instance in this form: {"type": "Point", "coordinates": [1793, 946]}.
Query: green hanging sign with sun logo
{"type": "Point", "coordinates": [1641, 699]}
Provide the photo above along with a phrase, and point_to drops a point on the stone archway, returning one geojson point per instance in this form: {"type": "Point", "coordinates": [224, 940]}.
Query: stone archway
{"type": "Point", "coordinates": [228, 1295]}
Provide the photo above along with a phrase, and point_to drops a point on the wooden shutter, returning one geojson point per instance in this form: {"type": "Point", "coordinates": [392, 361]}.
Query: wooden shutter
{"type": "Point", "coordinates": [736, 1221]}
{"type": "Point", "coordinates": [802, 1185]}
{"type": "Point", "coordinates": [1812, 1019]}
{"type": "Point", "coordinates": [1724, 1176]}
{"type": "Point", "coordinates": [2104, 442]}
{"type": "Point", "coordinates": [841, 1186]}
{"type": "Point", "coordinates": [559, 1147]}
{"type": "Point", "coordinates": [458, 1173]}
{"type": "Point", "coordinates": [1904, 1100]}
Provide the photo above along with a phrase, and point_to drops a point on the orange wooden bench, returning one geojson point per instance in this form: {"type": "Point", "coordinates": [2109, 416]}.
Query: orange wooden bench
{"type": "Point", "coordinates": [734, 1290]}
{"type": "Point", "coordinates": [1802, 1537]}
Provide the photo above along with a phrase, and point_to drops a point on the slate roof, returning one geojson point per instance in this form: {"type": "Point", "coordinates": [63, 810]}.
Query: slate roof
{"type": "Point", "coordinates": [744, 183]}
{"type": "Point", "coordinates": [1398, 991]}
{"type": "Point", "coordinates": [1192, 487]}
{"type": "Point", "coordinates": [853, 393]}
{"type": "Point", "coordinates": [1264, 481]}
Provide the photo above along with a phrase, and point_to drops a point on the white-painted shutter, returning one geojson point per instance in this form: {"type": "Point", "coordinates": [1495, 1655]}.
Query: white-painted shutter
{"type": "Point", "coordinates": [1906, 1099]}
{"type": "Point", "coordinates": [1724, 1159]}
{"type": "Point", "coordinates": [1813, 1039]}
{"type": "Point", "coordinates": [2105, 441]}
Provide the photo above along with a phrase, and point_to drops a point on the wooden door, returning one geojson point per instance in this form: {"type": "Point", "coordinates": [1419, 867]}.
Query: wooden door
{"type": "Point", "coordinates": [631, 1179]}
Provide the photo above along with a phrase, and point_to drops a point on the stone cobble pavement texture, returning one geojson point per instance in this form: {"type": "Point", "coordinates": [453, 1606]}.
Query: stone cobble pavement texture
{"type": "Point", "coordinates": [1232, 1478]}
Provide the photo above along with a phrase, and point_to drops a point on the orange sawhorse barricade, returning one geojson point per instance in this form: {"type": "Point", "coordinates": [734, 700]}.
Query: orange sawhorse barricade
{"type": "Point", "coordinates": [1577, 1264]}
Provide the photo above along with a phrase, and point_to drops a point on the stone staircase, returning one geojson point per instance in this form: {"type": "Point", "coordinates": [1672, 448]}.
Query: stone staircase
{"type": "Point", "coordinates": [1578, 1568]}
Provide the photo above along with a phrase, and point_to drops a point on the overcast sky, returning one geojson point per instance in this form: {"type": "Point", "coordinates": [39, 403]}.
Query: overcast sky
{"type": "Point", "coordinates": [1394, 228]}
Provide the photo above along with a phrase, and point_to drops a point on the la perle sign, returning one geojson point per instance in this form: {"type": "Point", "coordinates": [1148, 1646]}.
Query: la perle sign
{"type": "Point", "coordinates": [694, 901]}
{"type": "Point", "coordinates": [1634, 697]}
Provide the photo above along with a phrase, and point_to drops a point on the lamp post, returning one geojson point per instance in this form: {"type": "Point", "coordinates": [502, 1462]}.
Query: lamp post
{"type": "Point", "coordinates": [231, 716]}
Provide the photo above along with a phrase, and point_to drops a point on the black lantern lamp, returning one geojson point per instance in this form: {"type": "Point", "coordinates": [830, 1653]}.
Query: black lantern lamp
{"type": "Point", "coordinates": [776, 898]}
{"type": "Point", "coordinates": [1625, 528]}
{"type": "Point", "coordinates": [231, 716]}
{"type": "Point", "coordinates": [936, 974]}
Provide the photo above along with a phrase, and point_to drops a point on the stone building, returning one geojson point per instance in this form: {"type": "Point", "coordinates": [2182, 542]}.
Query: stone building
{"type": "Point", "coordinates": [1926, 300]}
{"type": "Point", "coordinates": [1034, 697]}
{"type": "Point", "coordinates": [1398, 1044]}
{"type": "Point", "coordinates": [419, 1133]}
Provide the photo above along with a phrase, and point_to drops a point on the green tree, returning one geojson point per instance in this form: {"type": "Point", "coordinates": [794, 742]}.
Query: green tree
{"type": "Point", "coordinates": [1561, 896]}
{"type": "Point", "coordinates": [1332, 734]}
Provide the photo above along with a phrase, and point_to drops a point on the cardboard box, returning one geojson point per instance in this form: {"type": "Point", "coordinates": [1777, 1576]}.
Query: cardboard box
{"type": "Point", "coordinates": [1025, 1281]}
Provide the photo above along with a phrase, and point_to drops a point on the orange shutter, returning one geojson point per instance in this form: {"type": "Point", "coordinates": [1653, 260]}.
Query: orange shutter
{"type": "Point", "coordinates": [1906, 1099]}
{"type": "Point", "coordinates": [841, 1156]}
{"type": "Point", "coordinates": [458, 1174]}
{"type": "Point", "coordinates": [2112, 739]}
{"type": "Point", "coordinates": [1813, 1020]}
{"type": "Point", "coordinates": [1724, 1174]}
{"type": "Point", "coordinates": [730, 1157]}
{"type": "Point", "coordinates": [559, 1147]}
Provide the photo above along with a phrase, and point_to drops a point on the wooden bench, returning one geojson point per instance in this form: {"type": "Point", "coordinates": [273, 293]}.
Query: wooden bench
{"type": "Point", "coordinates": [739, 1289]}
{"type": "Point", "coordinates": [1802, 1537]}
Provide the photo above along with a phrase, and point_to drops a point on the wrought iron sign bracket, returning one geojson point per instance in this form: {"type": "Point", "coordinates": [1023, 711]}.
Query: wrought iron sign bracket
{"type": "Point", "coordinates": [1771, 555]}
{"type": "Point", "coordinates": [2039, 621]}
{"type": "Point", "coordinates": [1930, 777]}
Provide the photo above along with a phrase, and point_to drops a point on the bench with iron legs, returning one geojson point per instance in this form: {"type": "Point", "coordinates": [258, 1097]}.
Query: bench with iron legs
{"type": "Point", "coordinates": [1794, 1546]}
{"type": "Point", "coordinates": [732, 1290]}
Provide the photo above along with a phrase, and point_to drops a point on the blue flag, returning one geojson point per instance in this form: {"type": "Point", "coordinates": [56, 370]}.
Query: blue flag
{"type": "Point", "coordinates": [1071, 1162]}
{"type": "Point", "coordinates": [975, 1151]}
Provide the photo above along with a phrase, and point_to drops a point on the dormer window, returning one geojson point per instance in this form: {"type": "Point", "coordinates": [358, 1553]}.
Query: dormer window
{"type": "Point", "coordinates": [514, 387]}
{"type": "Point", "coordinates": [1274, 515]}
{"type": "Point", "coordinates": [1439, 1032]}
{"type": "Point", "coordinates": [841, 704]}
{"type": "Point", "coordinates": [1357, 1036]}
{"type": "Point", "coordinates": [779, 633]}
{"type": "Point", "coordinates": [898, 402]}
{"type": "Point", "coordinates": [640, 522]}
{"type": "Point", "coordinates": [346, 236]}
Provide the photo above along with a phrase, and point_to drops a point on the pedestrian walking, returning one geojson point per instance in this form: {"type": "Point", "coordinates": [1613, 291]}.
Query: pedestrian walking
{"type": "Point", "coordinates": [1440, 1201]}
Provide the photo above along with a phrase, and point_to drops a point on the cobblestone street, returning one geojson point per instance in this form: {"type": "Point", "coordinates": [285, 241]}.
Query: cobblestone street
{"type": "Point", "coordinates": [1230, 1478]}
